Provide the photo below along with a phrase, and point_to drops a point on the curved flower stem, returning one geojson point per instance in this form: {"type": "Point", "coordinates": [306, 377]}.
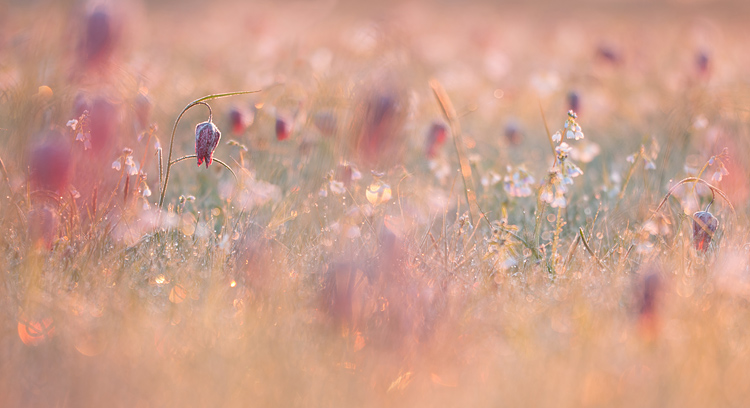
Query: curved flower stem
{"type": "Point", "coordinates": [695, 180]}
{"type": "Point", "coordinates": [199, 101]}
{"type": "Point", "coordinates": [192, 156]}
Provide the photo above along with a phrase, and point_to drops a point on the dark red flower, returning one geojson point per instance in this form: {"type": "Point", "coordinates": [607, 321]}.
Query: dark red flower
{"type": "Point", "coordinates": [100, 37]}
{"type": "Point", "coordinates": [704, 226]}
{"type": "Point", "coordinates": [435, 139]}
{"type": "Point", "coordinates": [103, 122]}
{"type": "Point", "coordinates": [513, 132]}
{"type": "Point", "coordinates": [238, 120]}
{"type": "Point", "coordinates": [207, 137]}
{"type": "Point", "coordinates": [282, 128]}
{"type": "Point", "coordinates": [49, 165]}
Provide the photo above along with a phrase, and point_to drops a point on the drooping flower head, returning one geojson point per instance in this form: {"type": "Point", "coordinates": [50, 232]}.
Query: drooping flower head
{"type": "Point", "coordinates": [207, 137]}
{"type": "Point", "coordinates": [704, 227]}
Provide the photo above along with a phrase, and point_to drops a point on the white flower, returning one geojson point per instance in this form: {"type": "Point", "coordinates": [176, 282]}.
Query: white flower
{"type": "Point", "coordinates": [116, 165]}
{"type": "Point", "coordinates": [73, 123]}
{"type": "Point", "coordinates": [557, 137]}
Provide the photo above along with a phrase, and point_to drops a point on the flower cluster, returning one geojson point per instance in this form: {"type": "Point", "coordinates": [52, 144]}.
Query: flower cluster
{"type": "Point", "coordinates": [718, 160]}
{"type": "Point", "coordinates": [126, 158]}
{"type": "Point", "coordinates": [129, 167]}
{"type": "Point", "coordinates": [518, 183]}
{"type": "Point", "coordinates": [82, 128]}
{"type": "Point", "coordinates": [553, 190]}
{"type": "Point", "coordinates": [572, 129]}
{"type": "Point", "coordinates": [562, 173]}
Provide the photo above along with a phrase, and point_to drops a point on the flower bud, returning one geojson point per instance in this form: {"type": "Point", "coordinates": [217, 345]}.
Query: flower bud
{"type": "Point", "coordinates": [207, 137]}
{"type": "Point", "coordinates": [704, 226]}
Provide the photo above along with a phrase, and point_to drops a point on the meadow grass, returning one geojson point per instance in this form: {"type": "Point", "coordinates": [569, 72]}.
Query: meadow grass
{"type": "Point", "coordinates": [352, 256]}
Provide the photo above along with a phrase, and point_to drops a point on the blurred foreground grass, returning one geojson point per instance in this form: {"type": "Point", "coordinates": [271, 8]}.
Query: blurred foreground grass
{"type": "Point", "coordinates": [345, 267]}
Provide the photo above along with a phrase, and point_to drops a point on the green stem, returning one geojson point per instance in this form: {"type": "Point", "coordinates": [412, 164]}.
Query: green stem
{"type": "Point", "coordinates": [174, 130]}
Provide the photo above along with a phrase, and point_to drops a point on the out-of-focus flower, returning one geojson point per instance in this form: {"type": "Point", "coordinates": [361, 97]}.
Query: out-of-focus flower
{"type": "Point", "coordinates": [346, 173]}
{"type": "Point", "coordinates": [283, 128]}
{"type": "Point", "coordinates": [379, 118]}
{"type": "Point", "coordinates": [436, 137]}
{"type": "Point", "coordinates": [513, 132]}
{"type": "Point", "coordinates": [239, 120]}
{"type": "Point", "coordinates": [207, 137]}
{"type": "Point", "coordinates": [574, 101]}
{"type": "Point", "coordinates": [608, 53]}
{"type": "Point", "coordinates": [648, 296]}
{"type": "Point", "coordinates": [103, 123]}
{"type": "Point", "coordinates": [49, 165]}
{"type": "Point", "coordinates": [100, 38]}
{"type": "Point", "coordinates": [518, 182]}
{"type": "Point", "coordinates": [702, 63]}
{"type": "Point", "coordinates": [553, 190]}
{"type": "Point", "coordinates": [585, 152]}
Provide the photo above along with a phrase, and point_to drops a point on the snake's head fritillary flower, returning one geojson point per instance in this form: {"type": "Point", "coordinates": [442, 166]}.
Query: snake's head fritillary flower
{"type": "Point", "coordinates": [207, 137]}
{"type": "Point", "coordinates": [283, 128]}
{"type": "Point", "coordinates": [239, 121]}
{"type": "Point", "coordinates": [704, 226]}
{"type": "Point", "coordinates": [436, 137]}
{"type": "Point", "coordinates": [49, 164]}
{"type": "Point", "coordinates": [574, 101]}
